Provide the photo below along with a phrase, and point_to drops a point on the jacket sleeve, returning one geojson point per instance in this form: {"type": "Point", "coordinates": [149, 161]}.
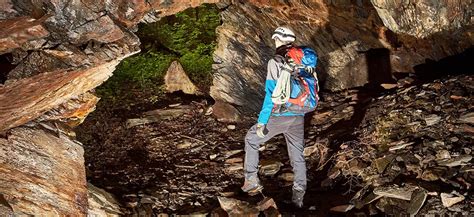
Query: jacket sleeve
{"type": "Point", "coordinates": [273, 72]}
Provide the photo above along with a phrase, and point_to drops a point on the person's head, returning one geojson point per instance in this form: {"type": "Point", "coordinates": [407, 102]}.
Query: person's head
{"type": "Point", "coordinates": [282, 36]}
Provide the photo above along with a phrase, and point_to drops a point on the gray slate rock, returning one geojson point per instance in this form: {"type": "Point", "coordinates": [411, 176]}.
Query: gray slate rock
{"type": "Point", "coordinates": [449, 200]}
{"type": "Point", "coordinates": [432, 120]}
{"type": "Point", "coordinates": [403, 193]}
{"type": "Point", "coordinates": [467, 118]}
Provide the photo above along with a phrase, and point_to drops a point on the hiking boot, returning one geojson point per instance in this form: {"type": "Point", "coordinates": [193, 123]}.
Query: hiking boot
{"type": "Point", "coordinates": [252, 186]}
{"type": "Point", "coordinates": [297, 198]}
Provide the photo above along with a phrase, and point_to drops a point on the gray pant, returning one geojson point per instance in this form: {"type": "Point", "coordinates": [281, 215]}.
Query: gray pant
{"type": "Point", "coordinates": [292, 128]}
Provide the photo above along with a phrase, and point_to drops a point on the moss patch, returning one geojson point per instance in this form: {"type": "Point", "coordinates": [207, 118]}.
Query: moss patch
{"type": "Point", "coordinates": [188, 37]}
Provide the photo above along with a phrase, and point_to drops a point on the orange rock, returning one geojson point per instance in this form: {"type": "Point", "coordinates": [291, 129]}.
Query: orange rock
{"type": "Point", "coordinates": [28, 99]}
{"type": "Point", "coordinates": [19, 31]}
{"type": "Point", "coordinates": [42, 174]}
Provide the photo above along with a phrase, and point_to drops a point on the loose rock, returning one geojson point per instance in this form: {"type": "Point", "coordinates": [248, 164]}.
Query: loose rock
{"type": "Point", "coordinates": [235, 207]}
{"type": "Point", "coordinates": [288, 177]}
{"type": "Point", "coordinates": [342, 208]}
{"type": "Point", "coordinates": [449, 200]}
{"type": "Point", "coordinates": [432, 120]}
{"type": "Point", "coordinates": [177, 80]}
{"type": "Point", "coordinates": [418, 199]}
{"type": "Point", "coordinates": [403, 193]}
{"type": "Point", "coordinates": [102, 203]}
{"type": "Point", "coordinates": [225, 112]}
{"type": "Point", "coordinates": [467, 118]}
{"type": "Point", "coordinates": [269, 167]}
{"type": "Point", "coordinates": [458, 161]}
{"type": "Point", "coordinates": [400, 145]}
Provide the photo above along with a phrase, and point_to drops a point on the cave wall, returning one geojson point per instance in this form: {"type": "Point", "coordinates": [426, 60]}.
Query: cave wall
{"type": "Point", "coordinates": [42, 173]}
{"type": "Point", "coordinates": [352, 39]}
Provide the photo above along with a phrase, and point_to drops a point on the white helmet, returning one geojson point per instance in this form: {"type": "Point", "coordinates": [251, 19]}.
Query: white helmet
{"type": "Point", "coordinates": [284, 34]}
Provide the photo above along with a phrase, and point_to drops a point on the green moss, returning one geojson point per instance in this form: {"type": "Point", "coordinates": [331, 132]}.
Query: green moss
{"type": "Point", "coordinates": [188, 36]}
{"type": "Point", "coordinates": [142, 71]}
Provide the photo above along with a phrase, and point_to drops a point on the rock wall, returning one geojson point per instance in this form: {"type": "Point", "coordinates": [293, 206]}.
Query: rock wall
{"type": "Point", "coordinates": [357, 41]}
{"type": "Point", "coordinates": [42, 173]}
{"type": "Point", "coordinates": [424, 18]}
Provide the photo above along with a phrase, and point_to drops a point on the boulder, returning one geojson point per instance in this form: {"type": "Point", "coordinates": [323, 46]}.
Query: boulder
{"type": "Point", "coordinates": [27, 99]}
{"type": "Point", "coordinates": [177, 80]}
{"type": "Point", "coordinates": [224, 112]}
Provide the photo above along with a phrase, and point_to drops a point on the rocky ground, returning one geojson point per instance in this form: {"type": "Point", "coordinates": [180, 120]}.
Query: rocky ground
{"type": "Point", "coordinates": [402, 149]}
{"type": "Point", "coordinates": [414, 150]}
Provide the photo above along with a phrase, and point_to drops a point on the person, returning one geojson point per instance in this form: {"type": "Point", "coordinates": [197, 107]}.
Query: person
{"type": "Point", "coordinates": [271, 123]}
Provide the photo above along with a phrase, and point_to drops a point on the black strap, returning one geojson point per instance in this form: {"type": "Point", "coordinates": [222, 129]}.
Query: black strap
{"type": "Point", "coordinates": [279, 59]}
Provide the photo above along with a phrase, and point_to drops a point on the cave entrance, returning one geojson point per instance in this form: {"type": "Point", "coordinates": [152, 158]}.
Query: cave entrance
{"type": "Point", "coordinates": [142, 140]}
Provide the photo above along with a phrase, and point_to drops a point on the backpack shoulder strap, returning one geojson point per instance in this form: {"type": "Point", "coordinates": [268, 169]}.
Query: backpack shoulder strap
{"type": "Point", "coordinates": [279, 59]}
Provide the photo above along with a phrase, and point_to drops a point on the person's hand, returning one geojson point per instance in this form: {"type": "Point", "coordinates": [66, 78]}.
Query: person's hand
{"type": "Point", "coordinates": [261, 130]}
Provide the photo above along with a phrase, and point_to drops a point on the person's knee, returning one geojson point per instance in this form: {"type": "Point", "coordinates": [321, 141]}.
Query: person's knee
{"type": "Point", "coordinates": [251, 139]}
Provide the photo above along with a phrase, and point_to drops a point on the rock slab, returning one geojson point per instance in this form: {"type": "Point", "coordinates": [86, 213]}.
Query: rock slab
{"type": "Point", "coordinates": [177, 80]}
{"type": "Point", "coordinates": [42, 173]}
{"type": "Point", "coordinates": [102, 203]}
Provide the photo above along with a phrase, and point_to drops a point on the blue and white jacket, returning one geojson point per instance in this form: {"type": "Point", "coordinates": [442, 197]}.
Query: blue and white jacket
{"type": "Point", "coordinates": [273, 72]}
